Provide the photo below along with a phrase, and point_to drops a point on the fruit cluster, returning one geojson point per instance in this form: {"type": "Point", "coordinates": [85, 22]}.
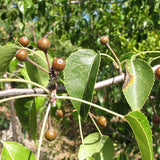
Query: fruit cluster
{"type": "Point", "coordinates": [43, 44]}
{"type": "Point", "coordinates": [58, 65]}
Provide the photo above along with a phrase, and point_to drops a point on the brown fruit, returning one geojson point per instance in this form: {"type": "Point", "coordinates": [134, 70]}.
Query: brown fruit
{"type": "Point", "coordinates": [24, 41]}
{"type": "Point", "coordinates": [58, 64]}
{"type": "Point", "coordinates": [43, 44]}
{"type": "Point", "coordinates": [104, 40]}
{"type": "Point", "coordinates": [102, 121]}
{"type": "Point", "coordinates": [157, 73]}
{"type": "Point", "coordinates": [50, 135]}
{"type": "Point", "coordinates": [156, 120]}
{"type": "Point", "coordinates": [21, 55]}
{"type": "Point", "coordinates": [60, 113]}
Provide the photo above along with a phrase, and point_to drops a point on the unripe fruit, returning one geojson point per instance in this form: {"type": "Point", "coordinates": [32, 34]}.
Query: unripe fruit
{"type": "Point", "coordinates": [43, 44]}
{"type": "Point", "coordinates": [24, 41]}
{"type": "Point", "coordinates": [21, 55]}
{"type": "Point", "coordinates": [104, 40]}
{"type": "Point", "coordinates": [50, 135]}
{"type": "Point", "coordinates": [58, 64]}
{"type": "Point", "coordinates": [102, 121]}
{"type": "Point", "coordinates": [156, 120]}
{"type": "Point", "coordinates": [157, 73]}
{"type": "Point", "coordinates": [60, 113]}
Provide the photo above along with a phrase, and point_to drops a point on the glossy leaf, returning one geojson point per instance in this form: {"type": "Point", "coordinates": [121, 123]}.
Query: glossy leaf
{"type": "Point", "coordinates": [25, 75]}
{"type": "Point", "coordinates": [36, 74]}
{"type": "Point", "coordinates": [96, 146]}
{"type": "Point", "coordinates": [138, 83]}
{"type": "Point", "coordinates": [16, 151]}
{"type": "Point", "coordinates": [7, 52]}
{"type": "Point", "coordinates": [80, 75]}
{"type": "Point", "coordinates": [142, 131]}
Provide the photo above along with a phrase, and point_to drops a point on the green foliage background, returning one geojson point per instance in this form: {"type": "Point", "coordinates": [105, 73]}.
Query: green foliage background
{"type": "Point", "coordinates": [132, 25]}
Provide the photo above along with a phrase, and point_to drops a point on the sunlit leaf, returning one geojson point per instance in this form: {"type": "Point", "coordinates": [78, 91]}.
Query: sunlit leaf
{"type": "Point", "coordinates": [36, 74]}
{"type": "Point", "coordinates": [142, 131]}
{"type": "Point", "coordinates": [138, 83]}
{"type": "Point", "coordinates": [16, 151]}
{"type": "Point", "coordinates": [96, 146]}
{"type": "Point", "coordinates": [7, 52]}
{"type": "Point", "coordinates": [80, 75]}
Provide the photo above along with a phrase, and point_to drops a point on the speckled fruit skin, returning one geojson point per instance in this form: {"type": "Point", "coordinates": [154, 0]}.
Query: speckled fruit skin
{"type": "Point", "coordinates": [104, 40]}
{"type": "Point", "coordinates": [50, 135]}
{"type": "Point", "coordinates": [102, 121]}
{"type": "Point", "coordinates": [24, 41]}
{"type": "Point", "coordinates": [43, 44]}
{"type": "Point", "coordinates": [58, 64]}
{"type": "Point", "coordinates": [21, 55]}
{"type": "Point", "coordinates": [60, 113]}
{"type": "Point", "coordinates": [157, 73]}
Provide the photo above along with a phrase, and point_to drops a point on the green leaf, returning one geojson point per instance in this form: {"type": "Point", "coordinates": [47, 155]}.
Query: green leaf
{"type": "Point", "coordinates": [80, 75]}
{"type": "Point", "coordinates": [26, 112]}
{"type": "Point", "coordinates": [25, 75]}
{"type": "Point", "coordinates": [22, 5]}
{"type": "Point", "coordinates": [142, 131]}
{"type": "Point", "coordinates": [29, 3]}
{"type": "Point", "coordinates": [36, 74]}
{"type": "Point", "coordinates": [39, 102]}
{"type": "Point", "coordinates": [7, 52]}
{"type": "Point", "coordinates": [33, 120]}
{"type": "Point", "coordinates": [16, 151]}
{"type": "Point", "coordinates": [22, 109]}
{"type": "Point", "coordinates": [96, 146]}
{"type": "Point", "coordinates": [126, 56]}
{"type": "Point", "coordinates": [138, 83]}
{"type": "Point", "coordinates": [13, 65]}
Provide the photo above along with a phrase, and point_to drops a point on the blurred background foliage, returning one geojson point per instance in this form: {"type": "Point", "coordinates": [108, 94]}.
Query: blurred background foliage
{"type": "Point", "coordinates": [132, 25]}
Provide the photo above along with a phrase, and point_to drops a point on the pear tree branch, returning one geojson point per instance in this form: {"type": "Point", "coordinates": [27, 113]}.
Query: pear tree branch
{"type": "Point", "coordinates": [61, 89]}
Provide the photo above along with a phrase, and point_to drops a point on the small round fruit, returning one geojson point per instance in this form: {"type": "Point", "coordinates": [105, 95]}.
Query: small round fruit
{"type": "Point", "coordinates": [43, 44]}
{"type": "Point", "coordinates": [156, 120]}
{"type": "Point", "coordinates": [21, 55]}
{"type": "Point", "coordinates": [157, 73]}
{"type": "Point", "coordinates": [24, 41]}
{"type": "Point", "coordinates": [102, 121]}
{"type": "Point", "coordinates": [58, 64]}
{"type": "Point", "coordinates": [50, 135]}
{"type": "Point", "coordinates": [60, 113]}
{"type": "Point", "coordinates": [104, 40]}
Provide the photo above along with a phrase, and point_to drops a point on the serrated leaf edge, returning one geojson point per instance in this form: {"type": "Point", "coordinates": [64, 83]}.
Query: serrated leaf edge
{"type": "Point", "coordinates": [136, 135]}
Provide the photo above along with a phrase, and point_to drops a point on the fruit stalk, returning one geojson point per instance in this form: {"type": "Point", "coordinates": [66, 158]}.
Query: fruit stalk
{"type": "Point", "coordinates": [119, 63]}
{"type": "Point", "coordinates": [42, 130]}
{"type": "Point", "coordinates": [34, 63]}
{"type": "Point", "coordinates": [92, 115]}
{"type": "Point", "coordinates": [49, 121]}
{"type": "Point", "coordinates": [49, 66]}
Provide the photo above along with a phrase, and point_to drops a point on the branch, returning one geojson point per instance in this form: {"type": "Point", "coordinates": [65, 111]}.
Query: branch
{"type": "Point", "coordinates": [26, 91]}
{"type": "Point", "coordinates": [33, 32]}
{"type": "Point", "coordinates": [61, 89]}
{"type": "Point", "coordinates": [109, 82]}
